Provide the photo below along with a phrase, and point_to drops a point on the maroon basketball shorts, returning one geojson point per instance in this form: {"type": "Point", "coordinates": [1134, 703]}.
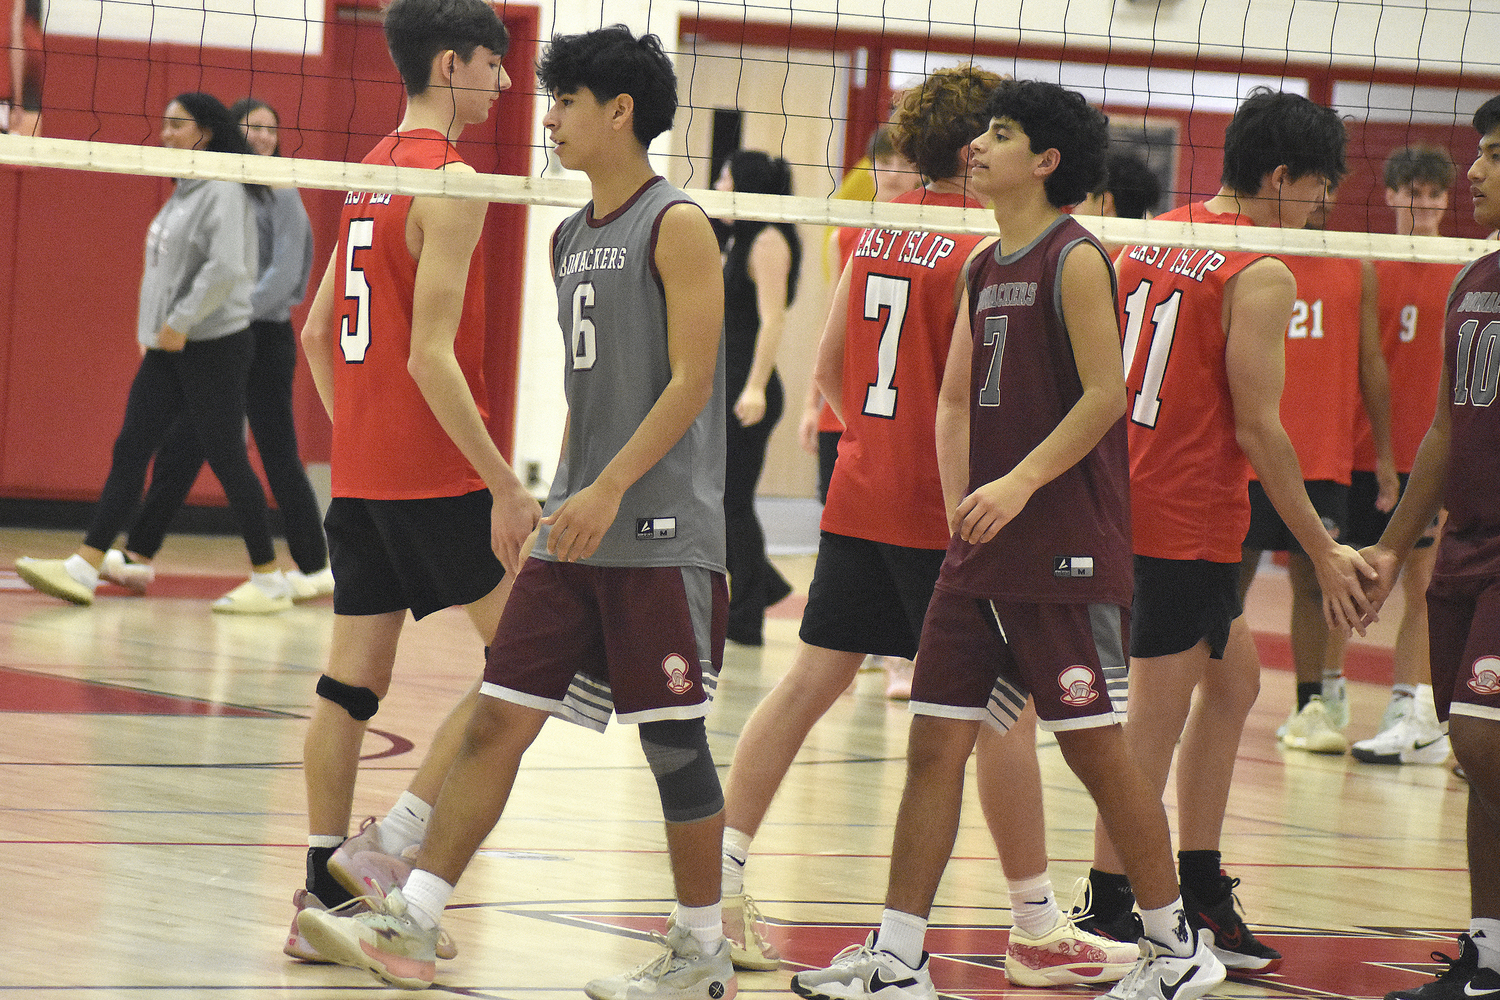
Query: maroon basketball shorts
{"type": "Point", "coordinates": [977, 652]}
{"type": "Point", "coordinates": [654, 635]}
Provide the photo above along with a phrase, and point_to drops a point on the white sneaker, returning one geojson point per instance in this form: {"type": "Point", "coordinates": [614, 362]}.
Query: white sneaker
{"type": "Point", "coordinates": [1410, 741]}
{"type": "Point", "coordinates": [682, 972]}
{"type": "Point", "coordinates": [130, 575]}
{"type": "Point", "coordinates": [64, 578]}
{"type": "Point", "coordinates": [1160, 975]}
{"type": "Point", "coordinates": [310, 586]}
{"type": "Point", "coordinates": [251, 598]}
{"type": "Point", "coordinates": [860, 972]}
{"type": "Point", "coordinates": [385, 940]}
{"type": "Point", "coordinates": [1336, 701]}
{"type": "Point", "coordinates": [1065, 956]}
{"type": "Point", "coordinates": [1312, 730]}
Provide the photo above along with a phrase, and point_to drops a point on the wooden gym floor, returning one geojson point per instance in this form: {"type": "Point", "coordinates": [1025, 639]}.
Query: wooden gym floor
{"type": "Point", "coordinates": [152, 819]}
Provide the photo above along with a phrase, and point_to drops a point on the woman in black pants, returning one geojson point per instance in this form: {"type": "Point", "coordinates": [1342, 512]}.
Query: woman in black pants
{"type": "Point", "coordinates": [286, 252]}
{"type": "Point", "coordinates": [761, 261]}
{"type": "Point", "coordinates": [196, 345]}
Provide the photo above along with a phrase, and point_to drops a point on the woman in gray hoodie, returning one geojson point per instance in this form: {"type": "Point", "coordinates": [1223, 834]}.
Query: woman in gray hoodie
{"type": "Point", "coordinates": [286, 257]}
{"type": "Point", "coordinates": [194, 331]}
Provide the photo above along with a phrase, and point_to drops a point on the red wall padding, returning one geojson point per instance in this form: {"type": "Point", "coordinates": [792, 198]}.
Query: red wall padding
{"type": "Point", "coordinates": [73, 251]}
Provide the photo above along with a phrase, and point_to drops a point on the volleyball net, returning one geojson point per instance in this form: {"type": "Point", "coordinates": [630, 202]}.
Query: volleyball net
{"type": "Point", "coordinates": [808, 85]}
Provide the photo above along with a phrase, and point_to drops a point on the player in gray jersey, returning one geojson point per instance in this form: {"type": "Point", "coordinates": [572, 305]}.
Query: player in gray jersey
{"type": "Point", "coordinates": [626, 580]}
{"type": "Point", "coordinates": [617, 367]}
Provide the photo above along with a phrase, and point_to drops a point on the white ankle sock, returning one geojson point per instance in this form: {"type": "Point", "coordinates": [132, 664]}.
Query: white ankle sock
{"type": "Point", "coordinates": [1485, 933]}
{"type": "Point", "coordinates": [736, 854]}
{"type": "Point", "coordinates": [319, 840]}
{"type": "Point", "coordinates": [426, 897]}
{"type": "Point", "coordinates": [1162, 925]}
{"type": "Point", "coordinates": [705, 923]}
{"type": "Point", "coordinates": [902, 934]}
{"type": "Point", "coordinates": [1033, 904]}
{"type": "Point", "coordinates": [405, 824]}
{"type": "Point", "coordinates": [79, 569]}
{"type": "Point", "coordinates": [272, 584]}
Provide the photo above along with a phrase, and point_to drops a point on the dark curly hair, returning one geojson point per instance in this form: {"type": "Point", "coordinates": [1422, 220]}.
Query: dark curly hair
{"type": "Point", "coordinates": [610, 62]}
{"type": "Point", "coordinates": [940, 116]}
{"type": "Point", "coordinates": [1055, 118]}
{"type": "Point", "coordinates": [1272, 129]}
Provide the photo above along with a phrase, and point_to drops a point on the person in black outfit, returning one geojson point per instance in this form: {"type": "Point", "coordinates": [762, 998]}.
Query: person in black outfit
{"type": "Point", "coordinates": [761, 261]}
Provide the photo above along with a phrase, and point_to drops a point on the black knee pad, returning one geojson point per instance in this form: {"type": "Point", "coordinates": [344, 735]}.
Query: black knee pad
{"type": "Point", "coordinates": [360, 702]}
{"type": "Point", "coordinates": [677, 750]}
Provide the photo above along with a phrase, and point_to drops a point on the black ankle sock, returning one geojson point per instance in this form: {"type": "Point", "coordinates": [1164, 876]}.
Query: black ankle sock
{"type": "Point", "coordinates": [1110, 895]}
{"type": "Point", "coordinates": [320, 883]}
{"type": "Point", "coordinates": [1201, 874]}
{"type": "Point", "coordinates": [1306, 691]}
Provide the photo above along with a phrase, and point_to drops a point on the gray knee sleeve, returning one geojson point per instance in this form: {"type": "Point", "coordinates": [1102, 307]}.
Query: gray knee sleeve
{"type": "Point", "coordinates": [677, 750]}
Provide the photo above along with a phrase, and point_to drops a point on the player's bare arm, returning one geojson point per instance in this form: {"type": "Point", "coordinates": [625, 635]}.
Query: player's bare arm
{"type": "Point", "coordinates": [1420, 502]}
{"type": "Point", "coordinates": [1258, 306]}
{"type": "Point", "coordinates": [695, 318]}
{"type": "Point", "coordinates": [1375, 388]}
{"type": "Point", "coordinates": [1089, 313]}
{"type": "Point", "coordinates": [445, 232]}
{"type": "Point", "coordinates": [769, 265]}
{"type": "Point", "coordinates": [319, 340]}
{"type": "Point", "coordinates": [952, 421]}
{"type": "Point", "coordinates": [828, 369]}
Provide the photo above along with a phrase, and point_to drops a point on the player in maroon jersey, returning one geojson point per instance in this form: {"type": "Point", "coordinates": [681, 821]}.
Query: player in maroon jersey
{"type": "Point", "coordinates": [1458, 467]}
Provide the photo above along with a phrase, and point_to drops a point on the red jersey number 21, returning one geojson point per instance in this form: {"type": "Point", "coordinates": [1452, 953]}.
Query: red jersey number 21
{"type": "Point", "coordinates": [354, 338]}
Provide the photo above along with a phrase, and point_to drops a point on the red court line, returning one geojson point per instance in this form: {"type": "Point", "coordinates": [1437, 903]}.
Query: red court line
{"type": "Point", "coordinates": [28, 691]}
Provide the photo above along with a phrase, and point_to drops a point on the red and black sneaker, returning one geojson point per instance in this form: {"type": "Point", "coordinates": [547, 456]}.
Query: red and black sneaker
{"type": "Point", "coordinates": [1232, 941]}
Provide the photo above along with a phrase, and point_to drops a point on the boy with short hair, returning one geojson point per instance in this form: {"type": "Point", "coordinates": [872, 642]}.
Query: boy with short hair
{"type": "Point", "coordinates": [1204, 332]}
{"type": "Point", "coordinates": [884, 537]}
{"type": "Point", "coordinates": [626, 580]}
{"type": "Point", "coordinates": [1457, 467]}
{"type": "Point", "coordinates": [1034, 593]}
{"type": "Point", "coordinates": [426, 513]}
{"type": "Point", "coordinates": [1412, 305]}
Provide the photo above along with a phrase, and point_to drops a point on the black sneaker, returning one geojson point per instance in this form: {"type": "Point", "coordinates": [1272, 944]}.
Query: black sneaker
{"type": "Point", "coordinates": [1126, 927]}
{"type": "Point", "coordinates": [1462, 980]}
{"type": "Point", "coordinates": [1232, 941]}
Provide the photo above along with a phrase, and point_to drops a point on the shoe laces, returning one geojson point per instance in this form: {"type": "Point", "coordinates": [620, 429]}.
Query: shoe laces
{"type": "Point", "coordinates": [752, 920]}
{"type": "Point", "coordinates": [853, 954]}
{"type": "Point", "coordinates": [662, 964]}
{"type": "Point", "coordinates": [1458, 968]}
{"type": "Point", "coordinates": [1231, 883]}
{"type": "Point", "coordinates": [1083, 901]}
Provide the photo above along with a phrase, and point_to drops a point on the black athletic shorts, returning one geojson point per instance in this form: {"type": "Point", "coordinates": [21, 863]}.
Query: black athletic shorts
{"type": "Point", "coordinates": [425, 555]}
{"type": "Point", "coordinates": [1180, 601]}
{"type": "Point", "coordinates": [1366, 522]}
{"type": "Point", "coordinates": [869, 597]}
{"type": "Point", "coordinates": [1269, 533]}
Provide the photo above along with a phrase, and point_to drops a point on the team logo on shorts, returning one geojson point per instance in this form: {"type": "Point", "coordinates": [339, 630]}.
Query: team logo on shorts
{"type": "Point", "coordinates": [676, 669]}
{"type": "Point", "coordinates": [1077, 683]}
{"type": "Point", "coordinates": [1484, 676]}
